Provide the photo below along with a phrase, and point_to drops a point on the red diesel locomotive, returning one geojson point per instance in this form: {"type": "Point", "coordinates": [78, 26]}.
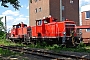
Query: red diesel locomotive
{"type": "Point", "coordinates": [48, 30]}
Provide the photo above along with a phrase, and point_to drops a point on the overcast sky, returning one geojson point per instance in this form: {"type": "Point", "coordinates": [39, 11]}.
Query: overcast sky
{"type": "Point", "coordinates": [14, 17]}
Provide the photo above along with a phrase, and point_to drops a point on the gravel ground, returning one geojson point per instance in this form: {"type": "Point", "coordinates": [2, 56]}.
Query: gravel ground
{"type": "Point", "coordinates": [83, 54]}
{"type": "Point", "coordinates": [32, 57]}
{"type": "Point", "coordinates": [79, 54]}
{"type": "Point", "coordinates": [25, 57]}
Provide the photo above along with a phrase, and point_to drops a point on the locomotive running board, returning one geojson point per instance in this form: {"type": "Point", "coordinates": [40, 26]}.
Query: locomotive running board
{"type": "Point", "coordinates": [49, 37]}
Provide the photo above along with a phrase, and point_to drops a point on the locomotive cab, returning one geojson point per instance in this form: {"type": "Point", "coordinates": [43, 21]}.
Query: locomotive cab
{"type": "Point", "coordinates": [17, 31]}
{"type": "Point", "coordinates": [45, 20]}
{"type": "Point", "coordinates": [41, 24]}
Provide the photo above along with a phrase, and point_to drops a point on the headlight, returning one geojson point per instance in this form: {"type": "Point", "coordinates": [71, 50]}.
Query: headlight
{"type": "Point", "coordinates": [12, 35]}
{"type": "Point", "coordinates": [80, 33]}
{"type": "Point", "coordinates": [64, 33]}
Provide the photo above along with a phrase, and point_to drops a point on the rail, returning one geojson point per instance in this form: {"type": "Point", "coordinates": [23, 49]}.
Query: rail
{"type": "Point", "coordinates": [41, 52]}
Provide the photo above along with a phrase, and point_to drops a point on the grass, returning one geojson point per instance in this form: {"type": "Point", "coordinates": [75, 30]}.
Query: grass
{"type": "Point", "coordinates": [8, 53]}
{"type": "Point", "coordinates": [9, 43]}
{"type": "Point", "coordinates": [56, 48]}
{"type": "Point", "coordinates": [87, 47]}
{"type": "Point", "coordinates": [80, 48]}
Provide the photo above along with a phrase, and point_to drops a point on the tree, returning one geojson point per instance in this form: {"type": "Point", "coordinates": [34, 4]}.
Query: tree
{"type": "Point", "coordinates": [1, 24]}
{"type": "Point", "coordinates": [14, 3]}
{"type": "Point", "coordinates": [1, 27]}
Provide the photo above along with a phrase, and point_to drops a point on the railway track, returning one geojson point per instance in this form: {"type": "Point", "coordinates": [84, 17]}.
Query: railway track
{"type": "Point", "coordinates": [43, 53]}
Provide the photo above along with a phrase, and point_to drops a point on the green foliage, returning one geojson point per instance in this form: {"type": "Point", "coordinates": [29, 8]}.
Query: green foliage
{"type": "Point", "coordinates": [57, 48]}
{"type": "Point", "coordinates": [38, 45]}
{"type": "Point", "coordinates": [1, 24]}
{"type": "Point", "coordinates": [7, 42]}
{"type": "Point", "coordinates": [14, 3]}
{"type": "Point", "coordinates": [8, 53]}
{"type": "Point", "coordinates": [2, 34]}
{"type": "Point", "coordinates": [81, 45]}
{"type": "Point", "coordinates": [54, 47]}
{"type": "Point", "coordinates": [80, 48]}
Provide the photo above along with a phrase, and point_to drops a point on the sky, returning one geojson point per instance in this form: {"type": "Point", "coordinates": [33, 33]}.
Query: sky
{"type": "Point", "coordinates": [16, 16]}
